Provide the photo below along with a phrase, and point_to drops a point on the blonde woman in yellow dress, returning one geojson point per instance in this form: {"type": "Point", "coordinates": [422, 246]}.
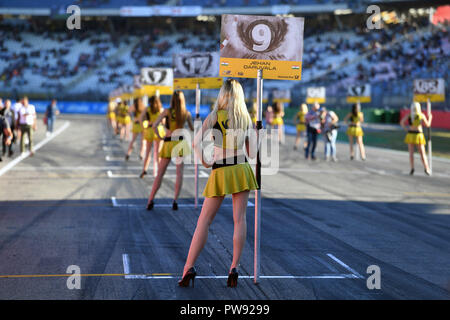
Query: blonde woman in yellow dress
{"type": "Point", "coordinates": [124, 120]}
{"type": "Point", "coordinates": [231, 174]}
{"type": "Point", "coordinates": [111, 115]}
{"type": "Point", "coordinates": [355, 131]}
{"type": "Point", "coordinates": [299, 119]}
{"type": "Point", "coordinates": [277, 122]}
{"type": "Point", "coordinates": [415, 136]}
{"type": "Point", "coordinates": [136, 109]}
{"type": "Point", "coordinates": [147, 119]}
{"type": "Point", "coordinates": [176, 116]}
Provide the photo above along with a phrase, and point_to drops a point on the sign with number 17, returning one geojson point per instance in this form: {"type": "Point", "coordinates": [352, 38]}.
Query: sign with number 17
{"type": "Point", "coordinates": [271, 44]}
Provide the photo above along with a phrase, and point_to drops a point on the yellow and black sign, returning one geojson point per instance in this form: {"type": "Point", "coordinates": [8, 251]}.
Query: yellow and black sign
{"type": "Point", "coordinates": [432, 89]}
{"type": "Point", "coordinates": [155, 79]}
{"type": "Point", "coordinates": [195, 68]}
{"type": "Point", "coordinates": [272, 44]}
{"type": "Point", "coordinates": [316, 94]}
{"type": "Point", "coordinates": [359, 94]}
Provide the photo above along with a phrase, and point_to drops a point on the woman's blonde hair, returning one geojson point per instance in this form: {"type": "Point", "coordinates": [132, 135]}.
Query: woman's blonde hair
{"type": "Point", "coordinates": [415, 109]}
{"type": "Point", "coordinates": [231, 98]}
{"type": "Point", "coordinates": [304, 108]}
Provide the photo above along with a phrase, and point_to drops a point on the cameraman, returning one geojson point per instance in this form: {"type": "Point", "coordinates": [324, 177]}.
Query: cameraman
{"type": "Point", "coordinates": [329, 121]}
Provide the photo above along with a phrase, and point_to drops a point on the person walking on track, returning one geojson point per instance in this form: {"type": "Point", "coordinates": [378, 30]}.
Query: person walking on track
{"type": "Point", "coordinates": [147, 119]}
{"type": "Point", "coordinates": [27, 123]}
{"type": "Point", "coordinates": [174, 145]}
{"type": "Point", "coordinates": [313, 129]}
{"type": "Point", "coordinates": [415, 136]}
{"type": "Point", "coordinates": [299, 120]}
{"type": "Point", "coordinates": [355, 131]}
{"type": "Point", "coordinates": [231, 174]}
{"type": "Point", "coordinates": [10, 117]}
{"type": "Point", "coordinates": [137, 109]}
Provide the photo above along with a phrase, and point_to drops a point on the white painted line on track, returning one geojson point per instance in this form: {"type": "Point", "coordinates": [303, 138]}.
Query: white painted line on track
{"type": "Point", "coordinates": [354, 272]}
{"type": "Point", "coordinates": [115, 204]}
{"type": "Point", "coordinates": [42, 143]}
{"type": "Point", "coordinates": [136, 176]}
{"type": "Point", "coordinates": [129, 276]}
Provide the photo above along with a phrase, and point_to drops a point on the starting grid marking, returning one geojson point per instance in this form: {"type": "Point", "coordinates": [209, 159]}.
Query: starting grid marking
{"type": "Point", "coordinates": [201, 174]}
{"type": "Point", "coordinates": [115, 204]}
{"type": "Point", "coordinates": [130, 276]}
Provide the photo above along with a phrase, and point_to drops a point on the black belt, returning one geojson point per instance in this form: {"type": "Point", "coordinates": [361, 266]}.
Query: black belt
{"type": "Point", "coordinates": [415, 132]}
{"type": "Point", "coordinates": [229, 162]}
{"type": "Point", "coordinates": [353, 125]}
{"type": "Point", "coordinates": [173, 138]}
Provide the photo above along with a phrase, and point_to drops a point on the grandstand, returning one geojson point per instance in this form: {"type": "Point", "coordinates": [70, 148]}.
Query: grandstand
{"type": "Point", "coordinates": [40, 57]}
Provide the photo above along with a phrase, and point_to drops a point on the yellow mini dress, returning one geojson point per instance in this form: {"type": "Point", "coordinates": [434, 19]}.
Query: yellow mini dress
{"type": "Point", "coordinates": [181, 145]}
{"type": "Point", "coordinates": [149, 134]}
{"type": "Point", "coordinates": [415, 137]}
{"type": "Point", "coordinates": [232, 175]}
{"type": "Point", "coordinates": [277, 121]}
{"type": "Point", "coordinates": [354, 128]}
{"type": "Point", "coordinates": [124, 117]}
{"type": "Point", "coordinates": [301, 125]}
{"type": "Point", "coordinates": [137, 127]}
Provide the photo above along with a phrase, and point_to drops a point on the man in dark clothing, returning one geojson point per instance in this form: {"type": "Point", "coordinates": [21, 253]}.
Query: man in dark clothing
{"type": "Point", "coordinates": [5, 131]}
{"type": "Point", "coordinates": [51, 113]}
{"type": "Point", "coordinates": [9, 116]}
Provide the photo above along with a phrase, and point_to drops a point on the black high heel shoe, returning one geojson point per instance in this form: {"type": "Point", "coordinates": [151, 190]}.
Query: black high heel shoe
{"type": "Point", "coordinates": [232, 278]}
{"type": "Point", "coordinates": [142, 174]}
{"type": "Point", "coordinates": [174, 205]}
{"type": "Point", "coordinates": [427, 172]}
{"type": "Point", "coordinates": [190, 275]}
{"type": "Point", "coordinates": [150, 205]}
{"type": "Point", "coordinates": [411, 172]}
{"type": "Point", "coordinates": [127, 157]}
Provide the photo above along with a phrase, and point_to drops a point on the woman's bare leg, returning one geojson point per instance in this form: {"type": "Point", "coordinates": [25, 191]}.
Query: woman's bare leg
{"type": "Point", "coordinates": [411, 155]}
{"type": "Point", "coordinates": [130, 146]}
{"type": "Point", "coordinates": [350, 141]}
{"type": "Point", "coordinates": [157, 183]}
{"type": "Point", "coordinates": [209, 210]}
{"type": "Point", "coordinates": [362, 150]}
{"type": "Point", "coordinates": [423, 156]}
{"type": "Point", "coordinates": [240, 201]}
{"type": "Point", "coordinates": [179, 180]}
{"type": "Point", "coordinates": [148, 156]}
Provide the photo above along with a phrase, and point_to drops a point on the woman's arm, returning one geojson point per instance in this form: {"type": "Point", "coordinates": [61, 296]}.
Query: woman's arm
{"type": "Point", "coordinates": [426, 121]}
{"type": "Point", "coordinates": [198, 139]}
{"type": "Point", "coordinates": [403, 122]}
{"type": "Point", "coordinates": [189, 121]}
{"type": "Point", "coordinates": [347, 117]}
{"type": "Point", "coordinates": [158, 121]}
{"type": "Point", "coordinates": [361, 117]}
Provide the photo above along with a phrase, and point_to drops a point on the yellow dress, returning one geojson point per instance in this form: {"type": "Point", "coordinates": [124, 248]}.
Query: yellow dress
{"type": "Point", "coordinates": [231, 175]}
{"type": "Point", "coordinates": [124, 117]}
{"type": "Point", "coordinates": [277, 120]}
{"type": "Point", "coordinates": [110, 113]}
{"type": "Point", "coordinates": [137, 127]}
{"type": "Point", "coordinates": [416, 137]}
{"type": "Point", "coordinates": [180, 145]}
{"type": "Point", "coordinates": [149, 134]}
{"type": "Point", "coordinates": [301, 125]}
{"type": "Point", "coordinates": [354, 128]}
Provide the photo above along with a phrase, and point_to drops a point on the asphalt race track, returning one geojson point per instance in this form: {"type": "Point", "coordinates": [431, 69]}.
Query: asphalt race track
{"type": "Point", "coordinates": [77, 202]}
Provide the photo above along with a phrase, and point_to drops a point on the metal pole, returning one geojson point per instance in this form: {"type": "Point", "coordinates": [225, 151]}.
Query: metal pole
{"type": "Point", "coordinates": [197, 118]}
{"type": "Point", "coordinates": [155, 152]}
{"type": "Point", "coordinates": [430, 158]}
{"type": "Point", "coordinates": [259, 95]}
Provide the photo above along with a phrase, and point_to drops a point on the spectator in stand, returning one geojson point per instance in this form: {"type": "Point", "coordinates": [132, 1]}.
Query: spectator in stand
{"type": "Point", "coordinates": [28, 124]}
